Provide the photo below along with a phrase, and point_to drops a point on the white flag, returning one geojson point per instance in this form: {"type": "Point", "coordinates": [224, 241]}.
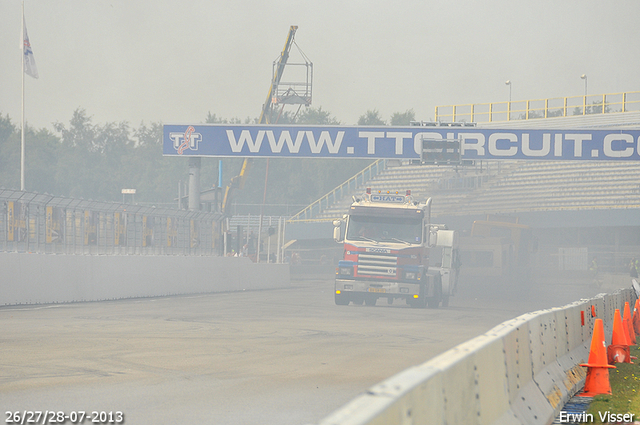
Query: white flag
{"type": "Point", "coordinates": [29, 62]}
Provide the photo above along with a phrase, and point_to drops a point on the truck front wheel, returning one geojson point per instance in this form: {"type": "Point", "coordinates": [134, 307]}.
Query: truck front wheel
{"type": "Point", "coordinates": [342, 299]}
{"type": "Point", "coordinates": [419, 303]}
{"type": "Point", "coordinates": [434, 302]}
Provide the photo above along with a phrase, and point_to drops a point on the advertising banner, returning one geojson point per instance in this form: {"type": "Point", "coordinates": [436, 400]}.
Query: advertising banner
{"type": "Point", "coordinates": [91, 219]}
{"type": "Point", "coordinates": [119, 229]}
{"type": "Point", "coordinates": [54, 223]}
{"type": "Point", "coordinates": [289, 141]}
{"type": "Point", "coordinates": [16, 221]}
{"type": "Point", "coordinates": [147, 231]}
{"type": "Point", "coordinates": [172, 232]}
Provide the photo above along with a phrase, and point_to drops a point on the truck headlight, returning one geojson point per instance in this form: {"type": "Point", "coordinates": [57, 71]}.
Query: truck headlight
{"type": "Point", "coordinates": [410, 275]}
{"type": "Point", "coordinates": [345, 271]}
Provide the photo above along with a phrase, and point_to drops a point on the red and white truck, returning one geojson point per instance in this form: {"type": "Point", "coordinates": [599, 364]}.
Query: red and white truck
{"type": "Point", "coordinates": [387, 237]}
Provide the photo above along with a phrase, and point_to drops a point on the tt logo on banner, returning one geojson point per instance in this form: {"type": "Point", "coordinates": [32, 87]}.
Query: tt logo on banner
{"type": "Point", "coordinates": [187, 140]}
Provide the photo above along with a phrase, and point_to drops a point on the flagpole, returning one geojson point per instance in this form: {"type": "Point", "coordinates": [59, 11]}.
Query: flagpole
{"type": "Point", "coordinates": [22, 138]}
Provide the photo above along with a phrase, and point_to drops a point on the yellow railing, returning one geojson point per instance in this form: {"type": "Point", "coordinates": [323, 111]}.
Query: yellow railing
{"type": "Point", "coordinates": [540, 108]}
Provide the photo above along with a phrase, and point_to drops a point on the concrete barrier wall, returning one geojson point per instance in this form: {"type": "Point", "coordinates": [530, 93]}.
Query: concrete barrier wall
{"type": "Point", "coordinates": [39, 278]}
{"type": "Point", "coordinates": [522, 371]}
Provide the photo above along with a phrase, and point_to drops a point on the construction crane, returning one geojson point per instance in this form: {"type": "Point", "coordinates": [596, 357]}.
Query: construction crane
{"type": "Point", "coordinates": [267, 107]}
{"type": "Point", "coordinates": [238, 181]}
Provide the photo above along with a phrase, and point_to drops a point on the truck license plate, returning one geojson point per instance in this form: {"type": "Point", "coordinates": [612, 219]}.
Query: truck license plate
{"type": "Point", "coordinates": [377, 290]}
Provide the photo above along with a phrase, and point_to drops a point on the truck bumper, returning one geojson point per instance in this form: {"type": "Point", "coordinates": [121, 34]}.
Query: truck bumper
{"type": "Point", "coordinates": [378, 288]}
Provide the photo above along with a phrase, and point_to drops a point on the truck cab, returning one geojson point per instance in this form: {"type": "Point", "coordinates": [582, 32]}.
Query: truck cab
{"type": "Point", "coordinates": [386, 238]}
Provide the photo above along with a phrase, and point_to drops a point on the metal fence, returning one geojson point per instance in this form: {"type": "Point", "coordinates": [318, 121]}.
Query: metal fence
{"type": "Point", "coordinates": [42, 223]}
{"type": "Point", "coordinates": [252, 234]}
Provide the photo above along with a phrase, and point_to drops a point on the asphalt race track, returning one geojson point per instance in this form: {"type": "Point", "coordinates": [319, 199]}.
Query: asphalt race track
{"type": "Point", "coordinates": [286, 357]}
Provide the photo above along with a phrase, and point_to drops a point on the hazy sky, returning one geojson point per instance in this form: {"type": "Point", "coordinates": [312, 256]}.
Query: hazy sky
{"type": "Point", "coordinates": [174, 61]}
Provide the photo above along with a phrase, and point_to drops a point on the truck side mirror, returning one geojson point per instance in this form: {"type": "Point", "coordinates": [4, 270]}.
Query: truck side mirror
{"type": "Point", "coordinates": [337, 231]}
{"type": "Point", "coordinates": [431, 235]}
{"type": "Point", "coordinates": [433, 238]}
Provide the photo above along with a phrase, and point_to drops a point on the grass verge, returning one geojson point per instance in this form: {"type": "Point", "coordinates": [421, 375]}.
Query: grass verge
{"type": "Point", "coordinates": [625, 388]}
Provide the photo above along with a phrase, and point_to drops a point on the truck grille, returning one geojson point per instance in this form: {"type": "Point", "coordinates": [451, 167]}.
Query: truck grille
{"type": "Point", "coordinates": [377, 264]}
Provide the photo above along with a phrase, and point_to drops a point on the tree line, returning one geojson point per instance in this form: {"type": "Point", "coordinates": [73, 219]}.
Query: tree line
{"type": "Point", "coordinates": [83, 159]}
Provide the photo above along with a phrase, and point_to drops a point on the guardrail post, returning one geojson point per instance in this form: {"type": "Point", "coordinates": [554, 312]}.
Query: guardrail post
{"type": "Point", "coordinates": [546, 107]}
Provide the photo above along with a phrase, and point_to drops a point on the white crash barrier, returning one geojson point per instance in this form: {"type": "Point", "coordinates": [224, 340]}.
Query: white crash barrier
{"type": "Point", "coordinates": [522, 371]}
{"type": "Point", "coordinates": [43, 279]}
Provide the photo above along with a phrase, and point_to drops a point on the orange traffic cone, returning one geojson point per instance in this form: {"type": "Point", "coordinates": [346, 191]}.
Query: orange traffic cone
{"type": "Point", "coordinates": [598, 374]}
{"type": "Point", "coordinates": [636, 317]}
{"type": "Point", "coordinates": [627, 319]}
{"type": "Point", "coordinates": [618, 351]}
{"type": "Point", "coordinates": [625, 325]}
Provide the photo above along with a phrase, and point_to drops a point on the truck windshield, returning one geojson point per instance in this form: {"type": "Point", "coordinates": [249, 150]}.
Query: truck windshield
{"type": "Point", "coordinates": [379, 229]}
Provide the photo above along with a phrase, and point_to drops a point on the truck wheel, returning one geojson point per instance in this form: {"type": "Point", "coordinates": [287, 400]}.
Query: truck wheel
{"type": "Point", "coordinates": [341, 299]}
{"type": "Point", "coordinates": [434, 302]}
{"type": "Point", "coordinates": [445, 301]}
{"type": "Point", "coordinates": [419, 303]}
{"type": "Point", "coordinates": [370, 301]}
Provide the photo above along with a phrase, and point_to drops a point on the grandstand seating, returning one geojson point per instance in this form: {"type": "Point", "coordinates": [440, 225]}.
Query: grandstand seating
{"type": "Point", "coordinates": [513, 186]}
{"type": "Point", "coordinates": [543, 186]}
